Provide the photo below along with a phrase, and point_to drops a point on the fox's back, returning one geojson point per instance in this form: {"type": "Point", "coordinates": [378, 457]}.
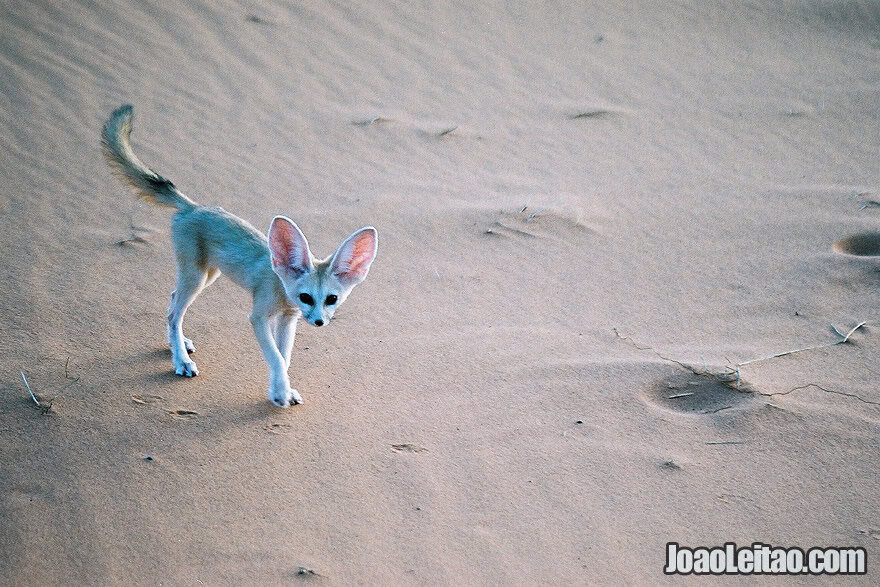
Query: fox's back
{"type": "Point", "coordinates": [224, 241]}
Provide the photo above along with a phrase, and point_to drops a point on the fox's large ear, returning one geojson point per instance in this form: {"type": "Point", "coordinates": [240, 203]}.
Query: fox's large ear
{"type": "Point", "coordinates": [290, 249]}
{"type": "Point", "coordinates": [353, 258]}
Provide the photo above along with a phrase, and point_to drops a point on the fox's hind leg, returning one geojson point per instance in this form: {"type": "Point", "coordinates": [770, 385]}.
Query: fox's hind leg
{"type": "Point", "coordinates": [190, 281]}
{"type": "Point", "coordinates": [187, 343]}
{"type": "Point", "coordinates": [211, 276]}
{"type": "Point", "coordinates": [193, 273]}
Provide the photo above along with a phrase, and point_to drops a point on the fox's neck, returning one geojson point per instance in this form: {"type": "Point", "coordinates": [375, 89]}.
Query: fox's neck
{"type": "Point", "coordinates": [267, 289]}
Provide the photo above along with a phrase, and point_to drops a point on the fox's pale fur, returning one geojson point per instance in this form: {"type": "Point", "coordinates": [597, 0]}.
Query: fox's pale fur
{"type": "Point", "coordinates": [286, 281]}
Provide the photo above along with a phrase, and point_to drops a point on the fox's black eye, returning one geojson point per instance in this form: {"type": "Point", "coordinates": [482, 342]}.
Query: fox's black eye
{"type": "Point", "coordinates": [307, 299]}
{"type": "Point", "coordinates": [331, 299]}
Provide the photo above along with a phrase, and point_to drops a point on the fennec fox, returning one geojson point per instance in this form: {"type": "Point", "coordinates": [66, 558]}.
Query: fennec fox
{"type": "Point", "coordinates": [286, 281]}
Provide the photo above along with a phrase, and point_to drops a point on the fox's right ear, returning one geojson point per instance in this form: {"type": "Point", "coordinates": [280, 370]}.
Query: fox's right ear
{"type": "Point", "coordinates": [290, 250]}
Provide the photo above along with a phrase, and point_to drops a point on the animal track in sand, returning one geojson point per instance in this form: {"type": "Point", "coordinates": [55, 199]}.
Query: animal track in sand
{"type": "Point", "coordinates": [863, 244]}
{"type": "Point", "coordinates": [145, 399]}
{"type": "Point", "coordinates": [539, 222]}
{"type": "Point", "coordinates": [177, 414]}
{"type": "Point", "coordinates": [277, 428]}
{"type": "Point", "coordinates": [421, 128]}
{"type": "Point", "coordinates": [372, 120]}
{"type": "Point", "coordinates": [407, 447]}
{"type": "Point", "coordinates": [688, 393]}
{"type": "Point", "coordinates": [871, 532]}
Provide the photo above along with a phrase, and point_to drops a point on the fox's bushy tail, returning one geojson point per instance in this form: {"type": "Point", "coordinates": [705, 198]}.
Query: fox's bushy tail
{"type": "Point", "coordinates": [148, 185]}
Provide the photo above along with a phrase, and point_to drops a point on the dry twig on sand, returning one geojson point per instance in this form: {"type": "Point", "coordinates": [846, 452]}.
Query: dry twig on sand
{"type": "Point", "coordinates": [843, 338]}
{"type": "Point", "coordinates": [46, 406]}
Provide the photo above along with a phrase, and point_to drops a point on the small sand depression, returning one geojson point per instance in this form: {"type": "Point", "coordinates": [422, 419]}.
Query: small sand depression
{"type": "Point", "coordinates": [593, 113]}
{"type": "Point", "coordinates": [688, 393]}
{"type": "Point", "coordinates": [541, 222]}
{"type": "Point", "coordinates": [863, 244]}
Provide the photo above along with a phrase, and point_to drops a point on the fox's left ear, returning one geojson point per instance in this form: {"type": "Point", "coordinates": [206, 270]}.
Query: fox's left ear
{"type": "Point", "coordinates": [353, 258]}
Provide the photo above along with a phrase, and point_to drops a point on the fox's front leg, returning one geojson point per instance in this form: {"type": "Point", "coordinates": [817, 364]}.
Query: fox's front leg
{"type": "Point", "coordinates": [285, 331]}
{"type": "Point", "coordinates": [280, 392]}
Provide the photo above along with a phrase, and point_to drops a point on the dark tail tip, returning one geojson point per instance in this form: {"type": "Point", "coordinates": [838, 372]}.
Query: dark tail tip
{"type": "Point", "coordinates": [159, 183]}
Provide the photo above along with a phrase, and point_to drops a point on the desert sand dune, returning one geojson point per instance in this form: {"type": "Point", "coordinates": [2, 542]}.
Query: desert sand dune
{"type": "Point", "coordinates": [596, 219]}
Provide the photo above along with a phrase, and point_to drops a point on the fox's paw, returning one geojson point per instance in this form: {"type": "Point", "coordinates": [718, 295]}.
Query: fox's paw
{"type": "Point", "coordinates": [188, 344]}
{"type": "Point", "coordinates": [284, 397]}
{"type": "Point", "coordinates": [185, 368]}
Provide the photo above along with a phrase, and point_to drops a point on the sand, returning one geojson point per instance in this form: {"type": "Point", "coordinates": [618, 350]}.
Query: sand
{"type": "Point", "coordinates": [584, 209]}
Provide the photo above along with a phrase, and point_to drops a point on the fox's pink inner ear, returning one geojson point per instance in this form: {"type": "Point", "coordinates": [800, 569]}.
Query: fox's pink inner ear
{"type": "Point", "coordinates": [354, 257]}
{"type": "Point", "coordinates": [288, 246]}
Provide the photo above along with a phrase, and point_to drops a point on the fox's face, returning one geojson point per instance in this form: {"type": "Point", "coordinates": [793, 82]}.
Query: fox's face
{"type": "Point", "coordinates": [317, 288]}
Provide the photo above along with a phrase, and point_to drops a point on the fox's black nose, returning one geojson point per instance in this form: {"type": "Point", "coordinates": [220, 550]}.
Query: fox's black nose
{"type": "Point", "coordinates": [319, 323]}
